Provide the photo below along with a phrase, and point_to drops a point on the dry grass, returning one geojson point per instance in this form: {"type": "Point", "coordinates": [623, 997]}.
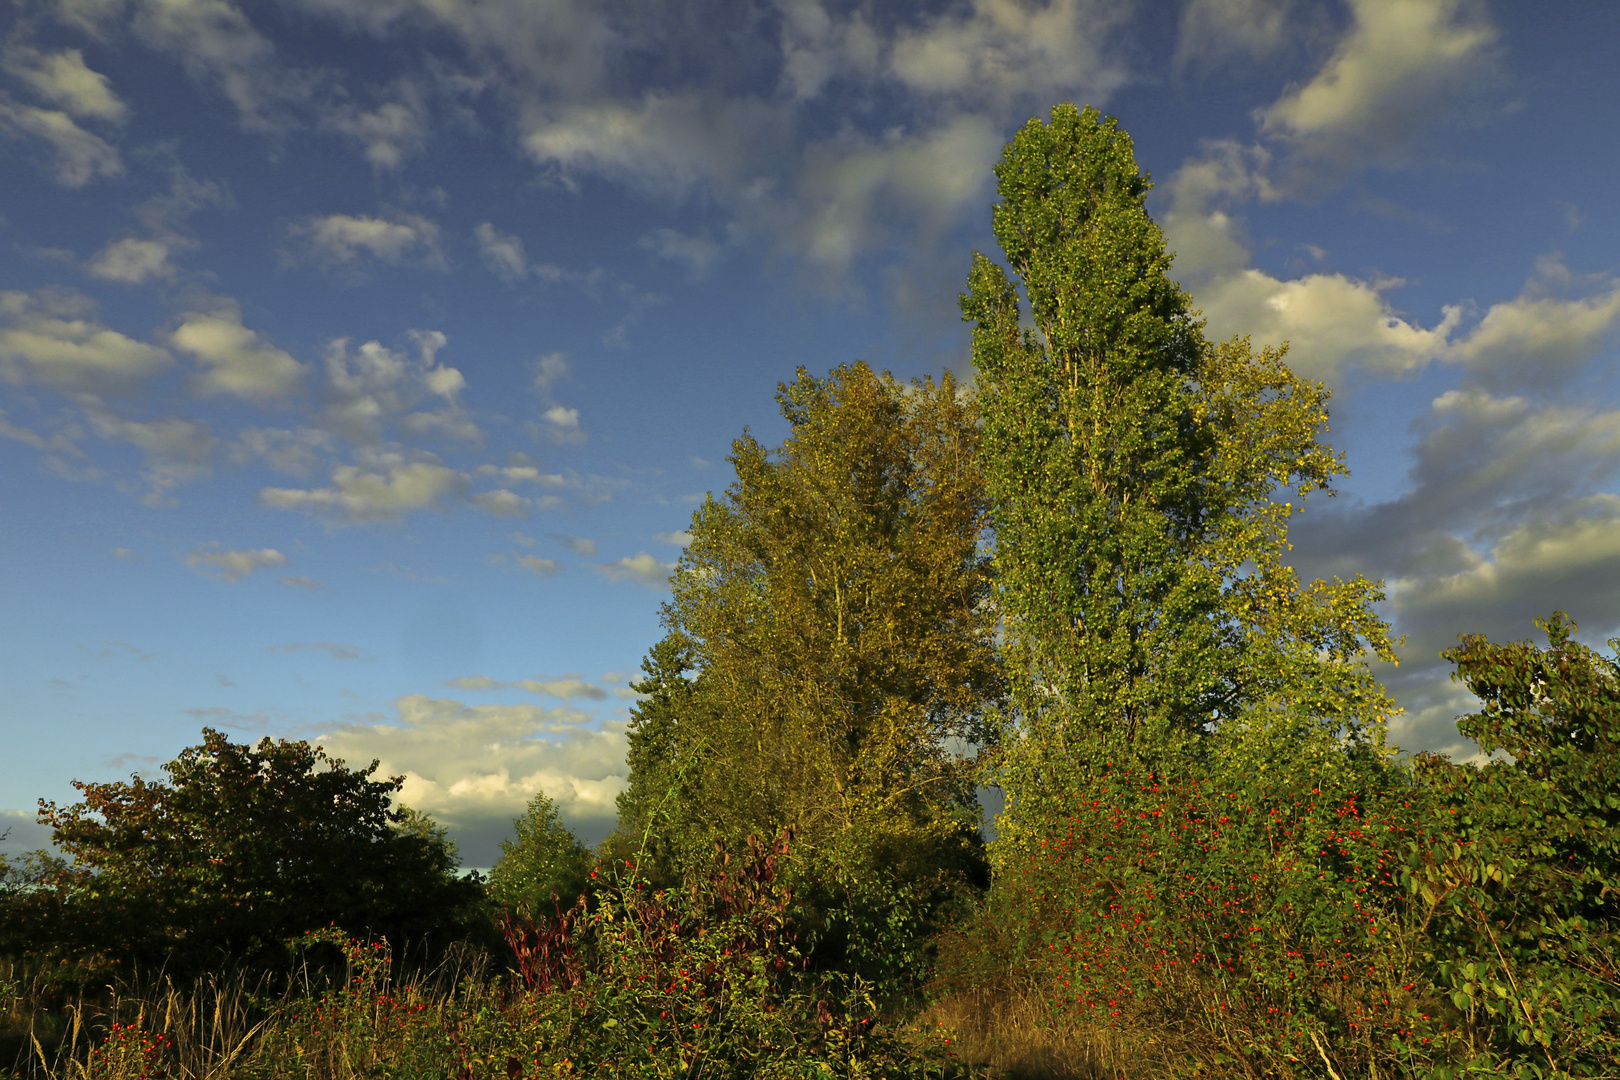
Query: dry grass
{"type": "Point", "coordinates": [1009, 1031]}
{"type": "Point", "coordinates": [208, 1023]}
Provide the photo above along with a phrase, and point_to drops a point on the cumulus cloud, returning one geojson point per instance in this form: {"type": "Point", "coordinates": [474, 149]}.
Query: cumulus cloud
{"type": "Point", "coordinates": [132, 261]}
{"type": "Point", "coordinates": [52, 337]}
{"type": "Point", "coordinates": [534, 564]}
{"type": "Point", "coordinates": [565, 688]}
{"type": "Point", "coordinates": [1001, 53]}
{"type": "Point", "coordinates": [502, 252]}
{"type": "Point", "coordinates": [218, 46]}
{"type": "Point", "coordinates": [298, 452]}
{"type": "Point", "coordinates": [177, 449]}
{"type": "Point", "coordinates": [696, 253]}
{"type": "Point", "coordinates": [678, 539]}
{"type": "Point", "coordinates": [503, 503]}
{"type": "Point", "coordinates": [1403, 66]}
{"type": "Point", "coordinates": [391, 132]}
{"type": "Point", "coordinates": [641, 568]}
{"type": "Point", "coordinates": [345, 239]}
{"type": "Point", "coordinates": [563, 419]}
{"type": "Point", "coordinates": [369, 385]}
{"type": "Point", "coordinates": [379, 494]}
{"type": "Point", "coordinates": [1539, 336]}
{"type": "Point", "coordinates": [64, 80]}
{"type": "Point", "coordinates": [80, 155]}
{"type": "Point", "coordinates": [1336, 322]}
{"type": "Point", "coordinates": [1217, 32]}
{"type": "Point", "coordinates": [1506, 519]}
{"type": "Point", "coordinates": [579, 545]}
{"type": "Point", "coordinates": [234, 359]}
{"type": "Point", "coordinates": [233, 566]}
{"type": "Point", "coordinates": [475, 767]}
{"type": "Point", "coordinates": [21, 833]}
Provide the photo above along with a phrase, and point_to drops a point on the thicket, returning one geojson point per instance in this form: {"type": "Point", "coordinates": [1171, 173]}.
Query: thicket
{"type": "Point", "coordinates": [1069, 581]}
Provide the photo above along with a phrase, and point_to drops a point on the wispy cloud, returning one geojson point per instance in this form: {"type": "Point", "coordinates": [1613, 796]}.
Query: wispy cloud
{"type": "Point", "coordinates": [233, 566]}
{"type": "Point", "coordinates": [641, 568]}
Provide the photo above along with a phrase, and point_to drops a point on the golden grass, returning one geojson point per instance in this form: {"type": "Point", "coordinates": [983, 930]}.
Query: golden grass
{"type": "Point", "coordinates": [1009, 1032]}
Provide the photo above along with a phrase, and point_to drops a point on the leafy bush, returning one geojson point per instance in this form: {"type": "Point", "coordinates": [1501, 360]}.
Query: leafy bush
{"type": "Point", "coordinates": [242, 848]}
{"type": "Point", "coordinates": [1520, 877]}
{"type": "Point", "coordinates": [1233, 905]}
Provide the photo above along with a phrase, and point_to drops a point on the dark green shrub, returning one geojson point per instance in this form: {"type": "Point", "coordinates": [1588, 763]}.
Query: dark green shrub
{"type": "Point", "coordinates": [241, 848]}
{"type": "Point", "coordinates": [1519, 873]}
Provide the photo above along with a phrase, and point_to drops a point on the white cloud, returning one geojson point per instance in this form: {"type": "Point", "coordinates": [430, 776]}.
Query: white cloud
{"type": "Point", "coordinates": [565, 688]}
{"type": "Point", "coordinates": [475, 767]}
{"type": "Point", "coordinates": [547, 371]}
{"type": "Point", "coordinates": [579, 545]}
{"type": "Point", "coordinates": [503, 503]}
{"type": "Point", "coordinates": [63, 79]}
{"type": "Point", "coordinates": [851, 189]}
{"type": "Point", "coordinates": [177, 450]}
{"type": "Point", "coordinates": [298, 581]}
{"type": "Point", "coordinates": [343, 239]}
{"type": "Point", "coordinates": [559, 417]}
{"type": "Point", "coordinates": [233, 566]}
{"type": "Point", "coordinates": [1214, 32]}
{"type": "Point", "coordinates": [81, 156]}
{"type": "Point", "coordinates": [50, 337]}
{"type": "Point", "coordinates": [537, 566]}
{"type": "Point", "coordinates": [371, 495]}
{"type": "Point", "coordinates": [1332, 321]}
{"type": "Point", "coordinates": [234, 359]}
{"type": "Point", "coordinates": [561, 425]}
{"type": "Point", "coordinates": [218, 45]}
{"type": "Point", "coordinates": [1000, 52]}
{"type": "Point", "coordinates": [666, 143]}
{"type": "Point", "coordinates": [697, 253]}
{"type": "Point", "coordinates": [678, 539]}
{"type": "Point", "coordinates": [1403, 65]}
{"type": "Point", "coordinates": [132, 261]}
{"type": "Point", "coordinates": [373, 383]}
{"type": "Point", "coordinates": [502, 252]}
{"type": "Point", "coordinates": [297, 452]}
{"type": "Point", "coordinates": [391, 132]}
{"type": "Point", "coordinates": [1539, 336]}
{"type": "Point", "coordinates": [641, 568]}
{"type": "Point", "coordinates": [58, 445]}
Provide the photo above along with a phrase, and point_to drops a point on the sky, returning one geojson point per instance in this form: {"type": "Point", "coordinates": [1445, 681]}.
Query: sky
{"type": "Point", "coordinates": [363, 361]}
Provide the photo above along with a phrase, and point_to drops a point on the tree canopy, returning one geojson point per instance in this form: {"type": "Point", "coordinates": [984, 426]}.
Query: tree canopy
{"type": "Point", "coordinates": [240, 848]}
{"type": "Point", "coordinates": [542, 865]}
{"type": "Point", "coordinates": [831, 610]}
{"type": "Point", "coordinates": [1136, 470]}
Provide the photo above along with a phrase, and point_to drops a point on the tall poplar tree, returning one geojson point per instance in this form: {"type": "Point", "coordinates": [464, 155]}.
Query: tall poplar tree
{"type": "Point", "coordinates": [1142, 478]}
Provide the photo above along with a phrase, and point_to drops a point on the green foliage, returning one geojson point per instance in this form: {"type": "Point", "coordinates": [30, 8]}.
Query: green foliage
{"type": "Point", "coordinates": [1520, 871]}
{"type": "Point", "coordinates": [1135, 472]}
{"type": "Point", "coordinates": [832, 607]}
{"type": "Point", "coordinates": [1236, 911]}
{"type": "Point", "coordinates": [704, 982]}
{"type": "Point", "coordinates": [241, 848]}
{"type": "Point", "coordinates": [665, 757]}
{"type": "Point", "coordinates": [543, 865]}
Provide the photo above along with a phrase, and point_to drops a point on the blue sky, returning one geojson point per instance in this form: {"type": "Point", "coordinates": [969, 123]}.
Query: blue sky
{"type": "Point", "coordinates": [362, 361]}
